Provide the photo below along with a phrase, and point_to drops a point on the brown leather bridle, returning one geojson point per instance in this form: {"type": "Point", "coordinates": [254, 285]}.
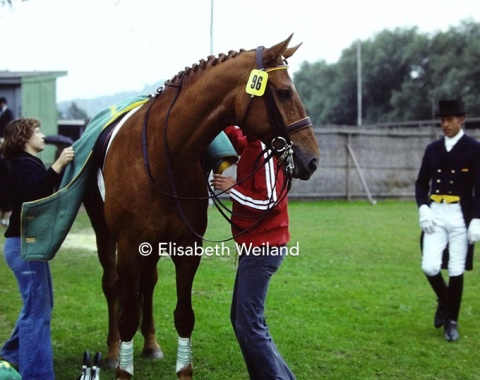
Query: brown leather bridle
{"type": "Point", "coordinates": [281, 145]}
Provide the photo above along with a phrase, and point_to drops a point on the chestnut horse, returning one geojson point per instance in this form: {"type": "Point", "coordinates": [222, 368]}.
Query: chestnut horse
{"type": "Point", "coordinates": [155, 185]}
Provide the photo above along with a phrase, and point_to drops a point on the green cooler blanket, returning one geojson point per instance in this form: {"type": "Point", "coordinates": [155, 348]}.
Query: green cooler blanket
{"type": "Point", "coordinates": [46, 222]}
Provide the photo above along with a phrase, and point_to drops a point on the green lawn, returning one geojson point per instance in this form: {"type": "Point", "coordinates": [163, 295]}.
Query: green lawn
{"type": "Point", "coordinates": [353, 304]}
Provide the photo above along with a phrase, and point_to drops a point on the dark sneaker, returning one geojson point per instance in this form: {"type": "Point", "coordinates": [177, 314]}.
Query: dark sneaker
{"type": "Point", "coordinates": [440, 315]}
{"type": "Point", "coordinates": [450, 330]}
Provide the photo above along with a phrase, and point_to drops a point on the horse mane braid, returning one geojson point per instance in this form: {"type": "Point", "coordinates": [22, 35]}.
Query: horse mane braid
{"type": "Point", "coordinates": [200, 66]}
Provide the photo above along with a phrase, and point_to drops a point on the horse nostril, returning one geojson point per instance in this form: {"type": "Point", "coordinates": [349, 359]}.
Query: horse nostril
{"type": "Point", "coordinates": [312, 166]}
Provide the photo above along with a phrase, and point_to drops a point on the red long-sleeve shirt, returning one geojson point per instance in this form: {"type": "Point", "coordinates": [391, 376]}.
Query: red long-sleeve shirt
{"type": "Point", "coordinates": [255, 195]}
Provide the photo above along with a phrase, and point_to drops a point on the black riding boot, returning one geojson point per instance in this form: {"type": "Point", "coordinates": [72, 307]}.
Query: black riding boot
{"type": "Point", "coordinates": [454, 299]}
{"type": "Point", "coordinates": [440, 288]}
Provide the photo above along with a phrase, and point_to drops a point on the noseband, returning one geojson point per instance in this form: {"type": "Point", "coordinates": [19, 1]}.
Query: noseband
{"type": "Point", "coordinates": [281, 145]}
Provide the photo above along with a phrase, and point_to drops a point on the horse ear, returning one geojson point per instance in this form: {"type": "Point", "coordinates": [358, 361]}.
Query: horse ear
{"type": "Point", "coordinates": [279, 50]}
{"type": "Point", "coordinates": [290, 51]}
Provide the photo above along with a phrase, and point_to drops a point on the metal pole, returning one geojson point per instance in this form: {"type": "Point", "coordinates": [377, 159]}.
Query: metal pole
{"type": "Point", "coordinates": [347, 177]}
{"type": "Point", "coordinates": [359, 83]}
{"type": "Point", "coordinates": [211, 27]}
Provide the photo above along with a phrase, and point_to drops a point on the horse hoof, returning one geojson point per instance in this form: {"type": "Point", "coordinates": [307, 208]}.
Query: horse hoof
{"type": "Point", "coordinates": [153, 353]}
{"type": "Point", "coordinates": [185, 373]}
{"type": "Point", "coordinates": [110, 363]}
{"type": "Point", "coordinates": [122, 375]}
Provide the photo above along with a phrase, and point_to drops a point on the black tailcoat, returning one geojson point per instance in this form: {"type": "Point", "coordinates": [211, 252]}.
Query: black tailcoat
{"type": "Point", "coordinates": [452, 173]}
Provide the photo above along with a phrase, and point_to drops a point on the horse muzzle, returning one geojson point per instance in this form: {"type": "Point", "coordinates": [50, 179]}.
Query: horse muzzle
{"type": "Point", "coordinates": [305, 164]}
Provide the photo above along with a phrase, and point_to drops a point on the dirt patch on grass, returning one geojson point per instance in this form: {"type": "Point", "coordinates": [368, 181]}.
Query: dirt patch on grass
{"type": "Point", "coordinates": [80, 240]}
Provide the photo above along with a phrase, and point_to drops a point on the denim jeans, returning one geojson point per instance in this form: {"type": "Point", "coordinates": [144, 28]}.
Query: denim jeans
{"type": "Point", "coordinates": [29, 346]}
{"type": "Point", "coordinates": [260, 353]}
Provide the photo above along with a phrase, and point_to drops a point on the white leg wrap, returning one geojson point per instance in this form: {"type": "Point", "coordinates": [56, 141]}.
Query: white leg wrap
{"type": "Point", "coordinates": [184, 353]}
{"type": "Point", "coordinates": [126, 356]}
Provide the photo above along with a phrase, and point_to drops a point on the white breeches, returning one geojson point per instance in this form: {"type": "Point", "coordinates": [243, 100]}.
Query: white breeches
{"type": "Point", "coordinates": [449, 230]}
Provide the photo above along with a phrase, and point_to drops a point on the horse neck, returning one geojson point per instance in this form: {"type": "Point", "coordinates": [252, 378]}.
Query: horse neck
{"type": "Point", "coordinates": [199, 108]}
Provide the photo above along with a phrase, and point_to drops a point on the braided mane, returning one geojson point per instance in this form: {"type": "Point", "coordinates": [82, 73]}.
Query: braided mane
{"type": "Point", "coordinates": [201, 65]}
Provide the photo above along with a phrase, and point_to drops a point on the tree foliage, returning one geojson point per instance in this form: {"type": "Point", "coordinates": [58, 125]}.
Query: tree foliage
{"type": "Point", "coordinates": [74, 112]}
{"type": "Point", "coordinates": [404, 74]}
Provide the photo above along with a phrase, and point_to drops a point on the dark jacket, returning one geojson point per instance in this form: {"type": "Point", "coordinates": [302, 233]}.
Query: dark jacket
{"type": "Point", "coordinates": [4, 185]}
{"type": "Point", "coordinates": [30, 180]}
{"type": "Point", "coordinates": [452, 173]}
{"type": "Point", "coordinates": [5, 118]}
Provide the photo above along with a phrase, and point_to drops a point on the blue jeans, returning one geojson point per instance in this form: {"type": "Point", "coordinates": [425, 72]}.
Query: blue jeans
{"type": "Point", "coordinates": [30, 347]}
{"type": "Point", "coordinates": [260, 353]}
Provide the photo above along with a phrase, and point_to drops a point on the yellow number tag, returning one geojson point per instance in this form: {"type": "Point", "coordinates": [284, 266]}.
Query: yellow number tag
{"type": "Point", "coordinates": [257, 83]}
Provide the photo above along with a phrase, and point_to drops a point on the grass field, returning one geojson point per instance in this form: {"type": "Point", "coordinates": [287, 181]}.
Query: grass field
{"type": "Point", "coordinates": [353, 304]}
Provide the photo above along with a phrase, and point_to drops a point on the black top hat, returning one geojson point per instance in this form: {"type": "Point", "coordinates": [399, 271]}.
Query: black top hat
{"type": "Point", "coordinates": [450, 108]}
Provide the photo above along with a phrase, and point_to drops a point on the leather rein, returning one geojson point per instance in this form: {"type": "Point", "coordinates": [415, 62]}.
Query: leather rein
{"type": "Point", "coordinates": [280, 146]}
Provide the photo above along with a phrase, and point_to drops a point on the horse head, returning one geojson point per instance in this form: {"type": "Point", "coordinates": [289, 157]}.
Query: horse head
{"type": "Point", "coordinates": [273, 112]}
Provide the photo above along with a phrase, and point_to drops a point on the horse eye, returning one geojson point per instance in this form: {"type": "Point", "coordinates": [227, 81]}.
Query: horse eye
{"type": "Point", "coordinates": [284, 94]}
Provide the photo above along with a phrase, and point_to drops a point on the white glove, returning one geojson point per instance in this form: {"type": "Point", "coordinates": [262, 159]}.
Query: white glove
{"type": "Point", "coordinates": [426, 219]}
{"type": "Point", "coordinates": [474, 231]}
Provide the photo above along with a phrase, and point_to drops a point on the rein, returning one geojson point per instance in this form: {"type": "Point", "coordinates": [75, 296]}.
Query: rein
{"type": "Point", "coordinates": [280, 146]}
{"type": "Point", "coordinates": [223, 210]}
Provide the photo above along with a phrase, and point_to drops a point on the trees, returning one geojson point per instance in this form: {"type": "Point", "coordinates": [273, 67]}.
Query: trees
{"type": "Point", "coordinates": [74, 112]}
{"type": "Point", "coordinates": [404, 74]}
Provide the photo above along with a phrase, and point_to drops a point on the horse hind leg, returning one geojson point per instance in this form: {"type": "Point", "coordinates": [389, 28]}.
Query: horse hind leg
{"type": "Point", "coordinates": [106, 249]}
{"type": "Point", "coordinates": [151, 348]}
{"type": "Point", "coordinates": [111, 290]}
{"type": "Point", "coordinates": [129, 272]}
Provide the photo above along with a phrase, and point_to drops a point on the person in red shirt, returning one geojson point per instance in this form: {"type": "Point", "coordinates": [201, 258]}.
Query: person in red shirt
{"type": "Point", "coordinates": [260, 230]}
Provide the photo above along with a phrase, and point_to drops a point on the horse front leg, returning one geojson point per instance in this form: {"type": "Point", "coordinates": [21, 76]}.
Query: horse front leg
{"type": "Point", "coordinates": [151, 348]}
{"type": "Point", "coordinates": [184, 316]}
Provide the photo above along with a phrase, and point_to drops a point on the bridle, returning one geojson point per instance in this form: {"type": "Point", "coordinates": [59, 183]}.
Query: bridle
{"type": "Point", "coordinates": [280, 146]}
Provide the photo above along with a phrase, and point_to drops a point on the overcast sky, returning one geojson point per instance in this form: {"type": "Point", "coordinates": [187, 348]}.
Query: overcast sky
{"type": "Point", "coordinates": [108, 46]}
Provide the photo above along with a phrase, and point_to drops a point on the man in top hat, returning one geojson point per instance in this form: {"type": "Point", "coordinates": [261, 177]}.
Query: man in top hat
{"type": "Point", "coordinates": [449, 211]}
